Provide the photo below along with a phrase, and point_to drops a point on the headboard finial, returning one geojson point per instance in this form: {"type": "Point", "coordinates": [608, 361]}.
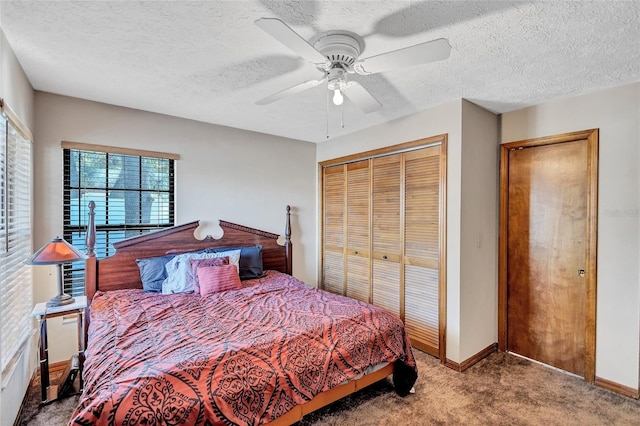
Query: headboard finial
{"type": "Point", "coordinates": [287, 228]}
{"type": "Point", "coordinates": [287, 242]}
{"type": "Point", "coordinates": [91, 230]}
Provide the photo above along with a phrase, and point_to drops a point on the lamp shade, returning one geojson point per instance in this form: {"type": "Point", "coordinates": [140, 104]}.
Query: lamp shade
{"type": "Point", "coordinates": [55, 252]}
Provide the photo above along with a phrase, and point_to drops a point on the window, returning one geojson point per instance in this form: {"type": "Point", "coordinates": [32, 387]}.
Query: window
{"type": "Point", "coordinates": [15, 237]}
{"type": "Point", "coordinates": [134, 194]}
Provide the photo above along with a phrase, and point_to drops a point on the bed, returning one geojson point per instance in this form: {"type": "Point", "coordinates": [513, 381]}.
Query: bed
{"type": "Point", "coordinates": [267, 352]}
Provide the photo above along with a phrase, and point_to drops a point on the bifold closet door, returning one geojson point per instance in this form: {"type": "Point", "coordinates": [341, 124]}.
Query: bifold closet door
{"type": "Point", "coordinates": [421, 247]}
{"type": "Point", "coordinates": [387, 232]}
{"type": "Point", "coordinates": [357, 236]}
{"type": "Point", "coordinates": [383, 220]}
{"type": "Point", "coordinates": [334, 191]}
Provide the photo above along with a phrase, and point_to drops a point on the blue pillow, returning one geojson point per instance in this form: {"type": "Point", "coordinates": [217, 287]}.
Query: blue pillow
{"type": "Point", "coordinates": [152, 272]}
{"type": "Point", "coordinates": [250, 260]}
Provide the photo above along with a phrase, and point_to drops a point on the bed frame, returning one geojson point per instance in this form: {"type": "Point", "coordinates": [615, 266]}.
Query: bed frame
{"type": "Point", "coordinates": [120, 271]}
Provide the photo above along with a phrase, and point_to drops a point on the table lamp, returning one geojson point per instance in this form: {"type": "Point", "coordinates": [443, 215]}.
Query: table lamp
{"type": "Point", "coordinates": [57, 252]}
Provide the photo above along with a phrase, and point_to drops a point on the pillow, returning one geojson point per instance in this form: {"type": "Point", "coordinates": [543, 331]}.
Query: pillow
{"type": "Point", "coordinates": [250, 261]}
{"type": "Point", "coordinates": [199, 263]}
{"type": "Point", "coordinates": [218, 278]}
{"type": "Point", "coordinates": [152, 272]}
{"type": "Point", "coordinates": [179, 278]}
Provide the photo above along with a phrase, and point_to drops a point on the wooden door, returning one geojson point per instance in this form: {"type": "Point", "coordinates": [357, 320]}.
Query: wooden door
{"type": "Point", "coordinates": [550, 271]}
{"type": "Point", "coordinates": [386, 232]}
{"type": "Point", "coordinates": [422, 248]}
{"type": "Point", "coordinates": [333, 194]}
{"type": "Point", "coordinates": [357, 226]}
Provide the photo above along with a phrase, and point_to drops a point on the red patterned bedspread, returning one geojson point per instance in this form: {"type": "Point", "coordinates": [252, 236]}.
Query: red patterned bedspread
{"type": "Point", "coordinates": [236, 357]}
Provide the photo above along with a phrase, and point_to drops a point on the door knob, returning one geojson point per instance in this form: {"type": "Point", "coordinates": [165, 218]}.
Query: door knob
{"type": "Point", "coordinates": [581, 273]}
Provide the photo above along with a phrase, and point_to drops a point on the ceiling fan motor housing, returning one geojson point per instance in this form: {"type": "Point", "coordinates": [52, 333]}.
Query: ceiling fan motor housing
{"type": "Point", "coordinates": [341, 48]}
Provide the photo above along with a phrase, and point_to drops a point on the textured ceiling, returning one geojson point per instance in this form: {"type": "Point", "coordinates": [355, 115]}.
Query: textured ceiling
{"type": "Point", "coordinates": [207, 61]}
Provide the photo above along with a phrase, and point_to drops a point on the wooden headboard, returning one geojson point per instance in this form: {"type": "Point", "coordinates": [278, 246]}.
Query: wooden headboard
{"type": "Point", "coordinates": [120, 271]}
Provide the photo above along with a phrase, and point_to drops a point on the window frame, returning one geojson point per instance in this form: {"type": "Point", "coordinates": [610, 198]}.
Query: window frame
{"type": "Point", "coordinates": [72, 284]}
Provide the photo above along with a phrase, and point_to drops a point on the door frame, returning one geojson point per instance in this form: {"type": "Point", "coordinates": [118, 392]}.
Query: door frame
{"type": "Point", "coordinates": [591, 137]}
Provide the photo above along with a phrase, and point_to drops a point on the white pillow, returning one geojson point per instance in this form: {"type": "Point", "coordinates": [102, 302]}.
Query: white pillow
{"type": "Point", "coordinates": [179, 277]}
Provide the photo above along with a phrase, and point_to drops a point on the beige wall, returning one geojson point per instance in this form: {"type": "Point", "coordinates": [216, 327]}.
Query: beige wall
{"type": "Point", "coordinates": [616, 112]}
{"type": "Point", "coordinates": [480, 188]}
{"type": "Point", "coordinates": [223, 173]}
{"type": "Point", "coordinates": [478, 230]}
{"type": "Point", "coordinates": [16, 90]}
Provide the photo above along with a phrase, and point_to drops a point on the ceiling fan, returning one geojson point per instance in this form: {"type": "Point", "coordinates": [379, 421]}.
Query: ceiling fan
{"type": "Point", "coordinates": [336, 54]}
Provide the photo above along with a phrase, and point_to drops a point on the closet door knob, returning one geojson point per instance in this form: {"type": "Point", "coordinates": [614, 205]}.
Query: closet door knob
{"type": "Point", "coordinates": [355, 252]}
{"type": "Point", "coordinates": [384, 257]}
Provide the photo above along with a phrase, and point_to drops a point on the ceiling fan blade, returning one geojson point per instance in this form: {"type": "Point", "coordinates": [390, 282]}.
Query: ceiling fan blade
{"type": "Point", "coordinates": [359, 96]}
{"type": "Point", "coordinates": [290, 91]}
{"type": "Point", "coordinates": [285, 35]}
{"type": "Point", "coordinates": [423, 53]}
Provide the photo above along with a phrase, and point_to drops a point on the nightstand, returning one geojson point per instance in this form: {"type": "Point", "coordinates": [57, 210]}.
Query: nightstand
{"type": "Point", "coordinates": [42, 313]}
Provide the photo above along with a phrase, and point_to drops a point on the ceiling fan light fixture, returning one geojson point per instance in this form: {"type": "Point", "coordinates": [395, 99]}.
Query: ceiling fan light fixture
{"type": "Point", "coordinates": [337, 97]}
{"type": "Point", "coordinates": [336, 78]}
{"type": "Point", "coordinates": [336, 81]}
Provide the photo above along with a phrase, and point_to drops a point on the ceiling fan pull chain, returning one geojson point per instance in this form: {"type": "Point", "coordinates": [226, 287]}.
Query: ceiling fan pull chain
{"type": "Point", "coordinates": [327, 113]}
{"type": "Point", "coordinates": [342, 115]}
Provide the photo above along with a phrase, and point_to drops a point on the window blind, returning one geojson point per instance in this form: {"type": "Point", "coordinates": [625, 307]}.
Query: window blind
{"type": "Point", "coordinates": [15, 240]}
{"type": "Point", "coordinates": [134, 194]}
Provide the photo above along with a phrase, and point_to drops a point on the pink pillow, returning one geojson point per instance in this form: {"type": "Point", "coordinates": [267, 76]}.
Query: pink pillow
{"type": "Point", "coordinates": [198, 263]}
{"type": "Point", "coordinates": [218, 278]}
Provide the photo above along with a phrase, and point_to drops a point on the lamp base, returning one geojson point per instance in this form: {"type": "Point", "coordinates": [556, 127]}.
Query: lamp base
{"type": "Point", "coordinates": [60, 300]}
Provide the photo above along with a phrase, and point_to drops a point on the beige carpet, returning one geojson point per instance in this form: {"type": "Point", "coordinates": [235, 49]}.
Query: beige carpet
{"type": "Point", "coordinates": [500, 390]}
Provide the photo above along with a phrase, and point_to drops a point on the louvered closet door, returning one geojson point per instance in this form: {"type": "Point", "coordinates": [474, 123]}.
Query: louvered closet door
{"type": "Point", "coordinates": [386, 232]}
{"type": "Point", "coordinates": [358, 230]}
{"type": "Point", "coordinates": [421, 250]}
{"type": "Point", "coordinates": [333, 228]}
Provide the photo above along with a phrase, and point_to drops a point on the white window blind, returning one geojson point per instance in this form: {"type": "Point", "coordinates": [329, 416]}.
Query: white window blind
{"type": "Point", "coordinates": [15, 240]}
